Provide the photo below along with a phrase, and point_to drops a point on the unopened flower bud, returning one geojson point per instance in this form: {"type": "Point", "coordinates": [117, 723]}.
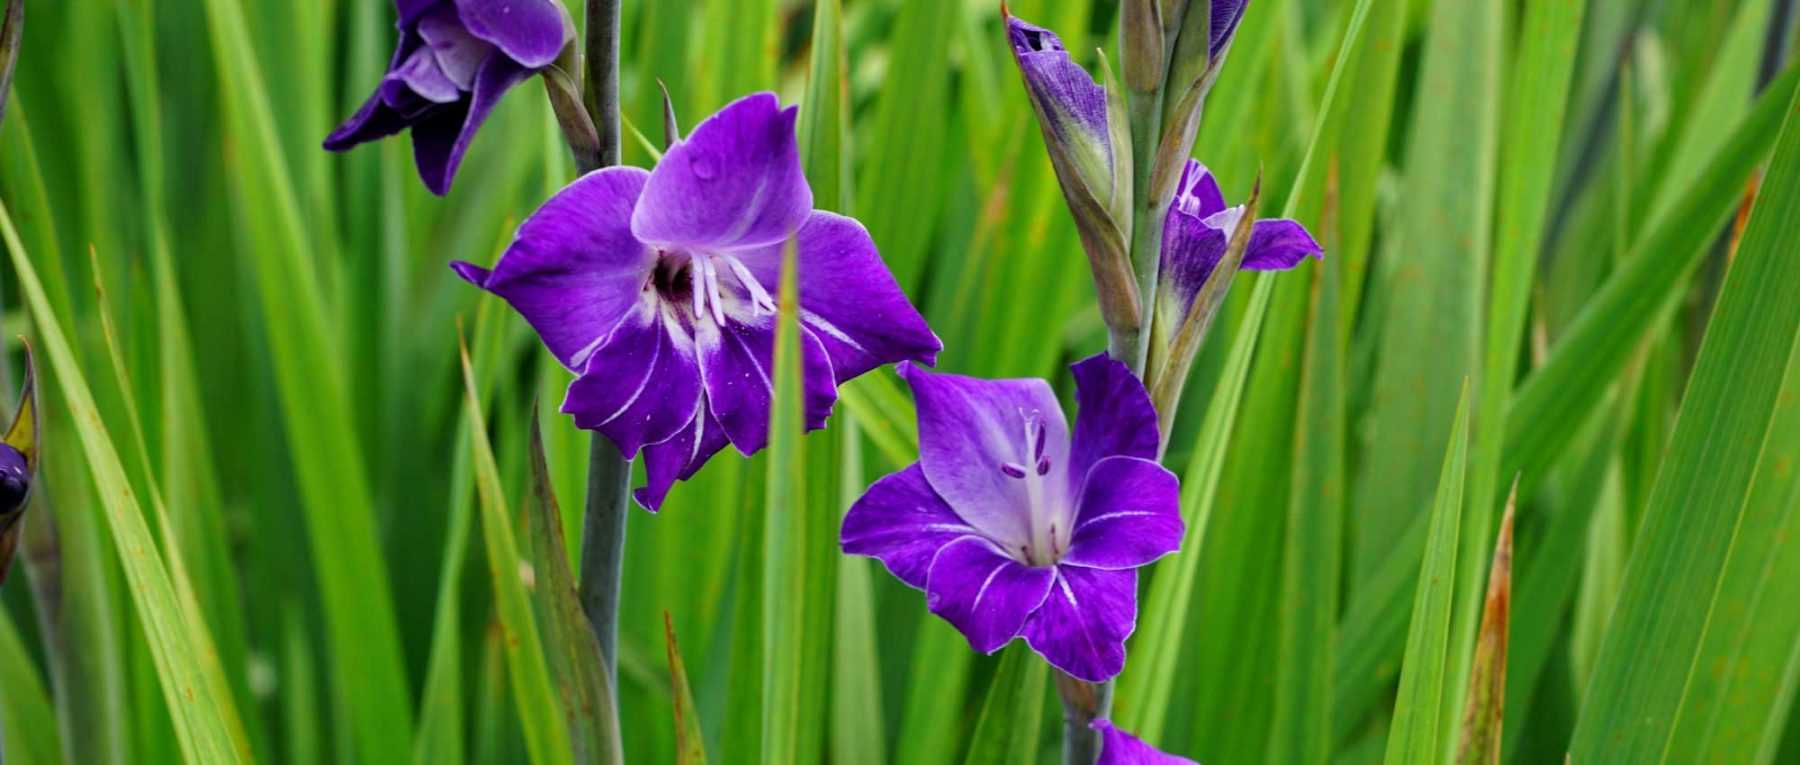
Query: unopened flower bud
{"type": "Point", "coordinates": [1142, 44]}
{"type": "Point", "coordinates": [1087, 139]}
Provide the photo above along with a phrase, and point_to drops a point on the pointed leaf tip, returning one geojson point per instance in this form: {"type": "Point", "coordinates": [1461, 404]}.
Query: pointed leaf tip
{"type": "Point", "coordinates": [1481, 722]}
{"type": "Point", "coordinates": [690, 749]}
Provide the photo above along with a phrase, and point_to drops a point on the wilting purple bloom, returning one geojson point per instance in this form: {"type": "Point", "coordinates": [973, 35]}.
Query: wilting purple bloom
{"type": "Point", "coordinates": [1120, 748]}
{"type": "Point", "coordinates": [1198, 230]}
{"type": "Point", "coordinates": [658, 289]}
{"type": "Point", "coordinates": [1012, 527]}
{"type": "Point", "coordinates": [454, 60]}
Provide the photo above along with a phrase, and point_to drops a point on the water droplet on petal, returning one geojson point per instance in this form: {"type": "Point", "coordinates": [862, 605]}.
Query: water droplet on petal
{"type": "Point", "coordinates": [704, 167]}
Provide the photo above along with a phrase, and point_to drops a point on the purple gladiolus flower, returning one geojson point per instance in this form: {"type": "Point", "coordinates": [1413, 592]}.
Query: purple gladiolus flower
{"type": "Point", "coordinates": [454, 60]}
{"type": "Point", "coordinates": [1120, 748]}
{"type": "Point", "coordinates": [1198, 230]}
{"type": "Point", "coordinates": [1013, 528]}
{"type": "Point", "coordinates": [658, 288]}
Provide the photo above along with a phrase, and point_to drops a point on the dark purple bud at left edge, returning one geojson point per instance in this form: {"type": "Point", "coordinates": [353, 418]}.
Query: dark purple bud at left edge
{"type": "Point", "coordinates": [454, 60]}
{"type": "Point", "coordinates": [18, 468]}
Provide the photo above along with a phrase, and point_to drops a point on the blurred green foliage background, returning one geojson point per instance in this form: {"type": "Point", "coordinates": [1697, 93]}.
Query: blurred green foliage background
{"type": "Point", "coordinates": [259, 499]}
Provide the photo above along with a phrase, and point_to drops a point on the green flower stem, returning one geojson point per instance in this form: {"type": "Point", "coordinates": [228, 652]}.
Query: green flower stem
{"type": "Point", "coordinates": [1083, 702]}
{"type": "Point", "coordinates": [603, 546]}
{"type": "Point", "coordinates": [609, 472]}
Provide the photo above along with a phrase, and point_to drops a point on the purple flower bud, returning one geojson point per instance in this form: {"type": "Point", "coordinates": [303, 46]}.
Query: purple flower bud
{"type": "Point", "coordinates": [1206, 31]}
{"type": "Point", "coordinates": [1087, 137]}
{"type": "Point", "coordinates": [1142, 44]}
{"type": "Point", "coordinates": [1049, 554]}
{"type": "Point", "coordinates": [18, 466]}
{"type": "Point", "coordinates": [454, 60]}
{"type": "Point", "coordinates": [15, 482]}
{"type": "Point", "coordinates": [1071, 106]}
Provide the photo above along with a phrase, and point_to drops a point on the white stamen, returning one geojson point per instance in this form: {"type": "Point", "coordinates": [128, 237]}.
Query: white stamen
{"type": "Point", "coordinates": [712, 289]}
{"type": "Point", "coordinates": [697, 277]}
{"type": "Point", "coordinates": [759, 297]}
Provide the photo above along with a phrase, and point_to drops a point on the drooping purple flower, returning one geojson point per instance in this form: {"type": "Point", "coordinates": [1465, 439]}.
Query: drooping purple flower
{"type": "Point", "coordinates": [1197, 232]}
{"type": "Point", "coordinates": [454, 60]}
{"type": "Point", "coordinates": [1013, 528]}
{"type": "Point", "coordinates": [1120, 748]}
{"type": "Point", "coordinates": [658, 288]}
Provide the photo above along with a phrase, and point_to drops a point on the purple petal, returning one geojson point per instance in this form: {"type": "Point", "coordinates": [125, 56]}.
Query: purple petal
{"type": "Point", "coordinates": [734, 183]}
{"type": "Point", "coordinates": [1081, 628]}
{"type": "Point", "coordinates": [457, 53]}
{"type": "Point", "coordinates": [739, 373]}
{"type": "Point", "coordinates": [1197, 193]}
{"type": "Point", "coordinates": [1130, 515]}
{"type": "Point", "coordinates": [1278, 244]}
{"type": "Point", "coordinates": [847, 296]}
{"type": "Point", "coordinates": [375, 120]}
{"type": "Point", "coordinates": [530, 32]}
{"type": "Point", "coordinates": [678, 458]}
{"type": "Point", "coordinates": [1113, 415]}
{"type": "Point", "coordinates": [970, 429]}
{"type": "Point", "coordinates": [1225, 17]}
{"type": "Point", "coordinates": [411, 10]}
{"type": "Point", "coordinates": [1191, 248]}
{"type": "Point", "coordinates": [420, 74]}
{"type": "Point", "coordinates": [985, 594]}
{"type": "Point", "coordinates": [441, 138]}
{"type": "Point", "coordinates": [574, 269]}
{"type": "Point", "coordinates": [1120, 748]}
{"type": "Point", "coordinates": [904, 523]}
{"type": "Point", "coordinates": [643, 385]}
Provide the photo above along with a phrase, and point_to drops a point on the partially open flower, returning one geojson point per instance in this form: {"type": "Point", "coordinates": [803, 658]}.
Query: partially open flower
{"type": "Point", "coordinates": [1199, 234]}
{"type": "Point", "coordinates": [658, 288]}
{"type": "Point", "coordinates": [1013, 528]}
{"type": "Point", "coordinates": [1120, 748]}
{"type": "Point", "coordinates": [1198, 231]}
{"type": "Point", "coordinates": [454, 61]}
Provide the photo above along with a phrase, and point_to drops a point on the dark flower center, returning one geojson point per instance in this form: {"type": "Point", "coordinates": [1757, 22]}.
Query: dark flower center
{"type": "Point", "coordinates": [673, 278]}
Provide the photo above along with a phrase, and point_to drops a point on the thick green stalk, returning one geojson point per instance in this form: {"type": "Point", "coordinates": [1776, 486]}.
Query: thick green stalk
{"type": "Point", "coordinates": [1083, 702]}
{"type": "Point", "coordinates": [1146, 220]}
{"type": "Point", "coordinates": [609, 472]}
